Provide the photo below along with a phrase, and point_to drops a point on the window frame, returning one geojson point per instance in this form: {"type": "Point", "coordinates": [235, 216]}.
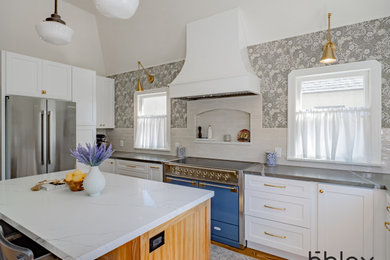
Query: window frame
{"type": "Point", "coordinates": [373, 99]}
{"type": "Point", "coordinates": [168, 105]}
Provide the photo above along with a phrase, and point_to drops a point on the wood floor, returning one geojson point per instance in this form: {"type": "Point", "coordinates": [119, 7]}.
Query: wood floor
{"type": "Point", "coordinates": [250, 252]}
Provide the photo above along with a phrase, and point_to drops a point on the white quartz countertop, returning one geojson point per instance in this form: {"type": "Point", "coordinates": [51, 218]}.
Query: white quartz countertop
{"type": "Point", "coordinates": [73, 225]}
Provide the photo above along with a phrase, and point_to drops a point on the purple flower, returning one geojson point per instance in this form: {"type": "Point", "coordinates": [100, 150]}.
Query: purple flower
{"type": "Point", "coordinates": [91, 155]}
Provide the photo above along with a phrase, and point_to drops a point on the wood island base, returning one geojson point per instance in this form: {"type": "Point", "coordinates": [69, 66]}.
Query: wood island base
{"type": "Point", "coordinates": [186, 236]}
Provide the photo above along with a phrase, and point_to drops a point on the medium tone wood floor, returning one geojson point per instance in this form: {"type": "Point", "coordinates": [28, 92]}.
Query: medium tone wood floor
{"type": "Point", "coordinates": [250, 252]}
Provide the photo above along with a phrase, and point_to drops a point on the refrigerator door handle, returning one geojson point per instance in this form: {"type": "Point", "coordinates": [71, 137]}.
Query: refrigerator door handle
{"type": "Point", "coordinates": [42, 137]}
{"type": "Point", "coordinates": [48, 137]}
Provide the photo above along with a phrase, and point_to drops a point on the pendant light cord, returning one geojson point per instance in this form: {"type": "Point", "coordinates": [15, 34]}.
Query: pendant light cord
{"type": "Point", "coordinates": [329, 14]}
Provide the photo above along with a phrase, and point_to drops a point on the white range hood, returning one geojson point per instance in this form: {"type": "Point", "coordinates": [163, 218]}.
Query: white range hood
{"type": "Point", "coordinates": [217, 62]}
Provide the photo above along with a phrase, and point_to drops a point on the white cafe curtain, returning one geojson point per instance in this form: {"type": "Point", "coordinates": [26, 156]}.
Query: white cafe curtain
{"type": "Point", "coordinates": [336, 134]}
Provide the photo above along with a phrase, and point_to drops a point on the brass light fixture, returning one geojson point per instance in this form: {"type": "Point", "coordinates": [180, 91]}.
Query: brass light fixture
{"type": "Point", "coordinates": [329, 48]}
{"type": "Point", "coordinates": [150, 77]}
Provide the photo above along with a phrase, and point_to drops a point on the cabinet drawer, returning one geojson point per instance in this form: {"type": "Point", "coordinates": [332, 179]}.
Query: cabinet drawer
{"type": "Point", "coordinates": [224, 230]}
{"type": "Point", "coordinates": [286, 209]}
{"type": "Point", "coordinates": [281, 236]}
{"type": "Point", "coordinates": [131, 166]}
{"type": "Point", "coordinates": [279, 186]}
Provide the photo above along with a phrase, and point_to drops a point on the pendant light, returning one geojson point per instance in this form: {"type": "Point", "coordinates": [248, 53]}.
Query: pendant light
{"type": "Point", "coordinates": [150, 77]}
{"type": "Point", "coordinates": [122, 9]}
{"type": "Point", "coordinates": [54, 30]}
{"type": "Point", "coordinates": [329, 48]}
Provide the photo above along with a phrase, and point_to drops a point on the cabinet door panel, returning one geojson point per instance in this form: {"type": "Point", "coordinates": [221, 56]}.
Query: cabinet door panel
{"type": "Point", "coordinates": [84, 94]}
{"type": "Point", "coordinates": [345, 221]}
{"type": "Point", "coordinates": [105, 100]}
{"type": "Point", "coordinates": [23, 75]}
{"type": "Point", "coordinates": [57, 80]}
{"type": "Point", "coordinates": [156, 172]}
{"type": "Point", "coordinates": [108, 166]}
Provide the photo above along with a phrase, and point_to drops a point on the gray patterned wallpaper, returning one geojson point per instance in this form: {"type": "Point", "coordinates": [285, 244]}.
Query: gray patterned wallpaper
{"type": "Point", "coordinates": [126, 85]}
{"type": "Point", "coordinates": [272, 62]}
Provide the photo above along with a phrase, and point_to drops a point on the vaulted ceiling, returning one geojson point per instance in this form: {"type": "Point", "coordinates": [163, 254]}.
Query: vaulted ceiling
{"type": "Point", "coordinates": [156, 33]}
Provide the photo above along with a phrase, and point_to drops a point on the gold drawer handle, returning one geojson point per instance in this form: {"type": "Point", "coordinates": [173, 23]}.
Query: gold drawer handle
{"type": "Point", "coordinates": [131, 166]}
{"type": "Point", "coordinates": [274, 186]}
{"type": "Point", "coordinates": [269, 207]}
{"type": "Point", "coordinates": [111, 162]}
{"type": "Point", "coordinates": [43, 91]}
{"type": "Point", "coordinates": [272, 235]}
{"type": "Point", "coordinates": [387, 224]}
{"type": "Point", "coordinates": [154, 167]}
{"type": "Point", "coordinates": [388, 209]}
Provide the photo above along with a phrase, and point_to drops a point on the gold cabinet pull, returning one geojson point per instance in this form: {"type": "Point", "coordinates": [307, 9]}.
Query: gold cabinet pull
{"type": "Point", "coordinates": [269, 207]}
{"type": "Point", "coordinates": [43, 91]}
{"type": "Point", "coordinates": [154, 167]}
{"type": "Point", "coordinates": [111, 162]}
{"type": "Point", "coordinates": [131, 166]}
{"type": "Point", "coordinates": [387, 226]}
{"type": "Point", "coordinates": [272, 235]}
{"type": "Point", "coordinates": [388, 209]}
{"type": "Point", "coordinates": [321, 191]}
{"type": "Point", "coordinates": [274, 186]}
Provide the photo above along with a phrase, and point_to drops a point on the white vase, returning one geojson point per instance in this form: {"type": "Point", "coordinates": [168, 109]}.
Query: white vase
{"type": "Point", "coordinates": [94, 182]}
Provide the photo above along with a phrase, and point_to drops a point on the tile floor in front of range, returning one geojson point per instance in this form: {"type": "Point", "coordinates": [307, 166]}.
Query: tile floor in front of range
{"type": "Point", "coordinates": [220, 253]}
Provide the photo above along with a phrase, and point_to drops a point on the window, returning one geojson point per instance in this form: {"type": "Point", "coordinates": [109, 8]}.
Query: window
{"type": "Point", "coordinates": [152, 119]}
{"type": "Point", "coordinates": [335, 114]}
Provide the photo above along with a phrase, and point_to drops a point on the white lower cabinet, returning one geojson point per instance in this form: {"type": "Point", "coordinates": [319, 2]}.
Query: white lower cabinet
{"type": "Point", "coordinates": [155, 172]}
{"type": "Point", "coordinates": [108, 166]}
{"type": "Point", "coordinates": [141, 170]}
{"type": "Point", "coordinates": [345, 221]}
{"type": "Point", "coordinates": [296, 217]}
{"type": "Point", "coordinates": [275, 234]}
{"type": "Point", "coordinates": [387, 227]}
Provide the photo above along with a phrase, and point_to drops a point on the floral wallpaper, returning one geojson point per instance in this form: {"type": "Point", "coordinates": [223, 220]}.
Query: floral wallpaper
{"type": "Point", "coordinates": [126, 85]}
{"type": "Point", "coordinates": [273, 61]}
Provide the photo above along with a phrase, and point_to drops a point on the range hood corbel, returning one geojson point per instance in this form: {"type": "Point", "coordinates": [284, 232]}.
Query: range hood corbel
{"type": "Point", "coordinates": [217, 62]}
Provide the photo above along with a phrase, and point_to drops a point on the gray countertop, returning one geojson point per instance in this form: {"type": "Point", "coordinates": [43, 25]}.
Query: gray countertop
{"type": "Point", "coordinates": [350, 178]}
{"type": "Point", "coordinates": [143, 157]}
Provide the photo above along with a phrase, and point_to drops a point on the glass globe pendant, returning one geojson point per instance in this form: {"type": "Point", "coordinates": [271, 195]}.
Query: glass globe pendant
{"type": "Point", "coordinates": [54, 30]}
{"type": "Point", "coordinates": [122, 9]}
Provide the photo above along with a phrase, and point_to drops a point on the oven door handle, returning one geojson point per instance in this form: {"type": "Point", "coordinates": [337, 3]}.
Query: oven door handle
{"type": "Point", "coordinates": [231, 188]}
{"type": "Point", "coordinates": [169, 179]}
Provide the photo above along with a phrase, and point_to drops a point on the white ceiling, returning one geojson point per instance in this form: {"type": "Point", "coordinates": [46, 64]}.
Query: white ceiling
{"type": "Point", "coordinates": [156, 33]}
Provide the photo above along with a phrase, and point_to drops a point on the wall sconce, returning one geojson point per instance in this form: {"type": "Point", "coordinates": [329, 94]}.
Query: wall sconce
{"type": "Point", "coordinates": [329, 48]}
{"type": "Point", "coordinates": [150, 77]}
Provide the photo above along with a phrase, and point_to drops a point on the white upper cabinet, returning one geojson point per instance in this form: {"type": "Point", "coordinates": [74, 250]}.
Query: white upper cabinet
{"type": "Point", "coordinates": [23, 75]}
{"type": "Point", "coordinates": [84, 94]}
{"type": "Point", "coordinates": [57, 80]}
{"type": "Point", "coordinates": [105, 103]}
{"type": "Point", "coordinates": [28, 76]}
{"type": "Point", "coordinates": [345, 221]}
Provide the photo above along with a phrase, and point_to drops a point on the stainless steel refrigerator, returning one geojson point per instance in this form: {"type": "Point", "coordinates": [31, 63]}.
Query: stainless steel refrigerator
{"type": "Point", "coordinates": [39, 133]}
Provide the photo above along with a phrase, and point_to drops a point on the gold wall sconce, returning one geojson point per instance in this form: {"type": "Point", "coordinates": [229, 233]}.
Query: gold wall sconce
{"type": "Point", "coordinates": [329, 48]}
{"type": "Point", "coordinates": [150, 77]}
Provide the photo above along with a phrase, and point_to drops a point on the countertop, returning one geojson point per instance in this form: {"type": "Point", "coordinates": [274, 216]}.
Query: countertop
{"type": "Point", "coordinates": [73, 225]}
{"type": "Point", "coordinates": [144, 157]}
{"type": "Point", "coordinates": [350, 178]}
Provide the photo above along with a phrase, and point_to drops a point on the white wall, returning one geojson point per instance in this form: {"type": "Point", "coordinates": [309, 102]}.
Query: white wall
{"type": "Point", "coordinates": [17, 33]}
{"type": "Point", "coordinates": [156, 33]}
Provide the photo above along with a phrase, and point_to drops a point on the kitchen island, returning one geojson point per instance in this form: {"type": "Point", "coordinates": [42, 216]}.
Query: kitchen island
{"type": "Point", "coordinates": [130, 215]}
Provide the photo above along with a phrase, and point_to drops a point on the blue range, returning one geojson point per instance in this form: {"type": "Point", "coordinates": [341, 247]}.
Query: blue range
{"type": "Point", "coordinates": [223, 177]}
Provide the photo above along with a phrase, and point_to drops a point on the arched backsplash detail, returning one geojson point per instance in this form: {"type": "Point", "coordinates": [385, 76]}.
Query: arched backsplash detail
{"type": "Point", "coordinates": [224, 121]}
